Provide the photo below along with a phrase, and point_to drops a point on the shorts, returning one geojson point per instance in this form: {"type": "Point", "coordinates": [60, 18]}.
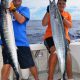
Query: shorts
{"type": "Point", "coordinates": [49, 43]}
{"type": "Point", "coordinates": [24, 57]}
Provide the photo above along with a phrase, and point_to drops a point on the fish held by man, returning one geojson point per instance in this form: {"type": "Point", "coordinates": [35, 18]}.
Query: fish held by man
{"type": "Point", "coordinates": [58, 35]}
{"type": "Point", "coordinates": [7, 36]}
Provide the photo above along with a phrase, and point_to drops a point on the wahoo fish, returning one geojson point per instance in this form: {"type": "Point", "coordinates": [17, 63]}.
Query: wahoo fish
{"type": "Point", "coordinates": [58, 34]}
{"type": "Point", "coordinates": [7, 36]}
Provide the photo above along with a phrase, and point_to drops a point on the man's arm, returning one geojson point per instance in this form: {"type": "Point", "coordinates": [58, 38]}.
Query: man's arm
{"type": "Point", "coordinates": [67, 22]}
{"type": "Point", "coordinates": [45, 19]}
{"type": "Point", "coordinates": [20, 18]}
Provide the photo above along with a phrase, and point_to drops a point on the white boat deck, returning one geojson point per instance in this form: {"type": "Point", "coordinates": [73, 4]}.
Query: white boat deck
{"type": "Point", "coordinates": [40, 54]}
{"type": "Point", "coordinates": [43, 76]}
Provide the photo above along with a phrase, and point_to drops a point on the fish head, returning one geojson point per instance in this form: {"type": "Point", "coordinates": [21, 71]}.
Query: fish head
{"type": "Point", "coordinates": [52, 4]}
{"type": "Point", "coordinates": [52, 8]}
{"type": "Point", "coordinates": [5, 4]}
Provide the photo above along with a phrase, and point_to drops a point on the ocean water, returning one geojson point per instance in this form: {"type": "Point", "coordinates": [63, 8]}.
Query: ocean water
{"type": "Point", "coordinates": [35, 31]}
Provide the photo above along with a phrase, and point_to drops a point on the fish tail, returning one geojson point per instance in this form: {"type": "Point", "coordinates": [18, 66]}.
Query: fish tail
{"type": "Point", "coordinates": [66, 49]}
{"type": "Point", "coordinates": [14, 68]}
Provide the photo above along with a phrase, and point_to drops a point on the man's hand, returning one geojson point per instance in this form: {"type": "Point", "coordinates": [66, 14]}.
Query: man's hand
{"type": "Point", "coordinates": [12, 7]}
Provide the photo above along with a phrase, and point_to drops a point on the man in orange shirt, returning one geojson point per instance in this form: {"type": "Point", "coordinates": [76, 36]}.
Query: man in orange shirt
{"type": "Point", "coordinates": [48, 40]}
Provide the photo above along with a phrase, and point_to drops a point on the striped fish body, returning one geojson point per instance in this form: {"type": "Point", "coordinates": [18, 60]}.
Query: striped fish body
{"type": "Point", "coordinates": [58, 34]}
{"type": "Point", "coordinates": [7, 36]}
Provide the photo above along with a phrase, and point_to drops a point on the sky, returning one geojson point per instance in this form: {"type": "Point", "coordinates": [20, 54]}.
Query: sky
{"type": "Point", "coordinates": [38, 8]}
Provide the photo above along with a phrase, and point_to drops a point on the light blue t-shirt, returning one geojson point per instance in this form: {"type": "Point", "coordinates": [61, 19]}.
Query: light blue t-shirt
{"type": "Point", "coordinates": [20, 29]}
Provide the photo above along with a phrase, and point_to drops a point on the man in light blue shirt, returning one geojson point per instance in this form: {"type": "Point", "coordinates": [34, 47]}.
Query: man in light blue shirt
{"type": "Point", "coordinates": [20, 18]}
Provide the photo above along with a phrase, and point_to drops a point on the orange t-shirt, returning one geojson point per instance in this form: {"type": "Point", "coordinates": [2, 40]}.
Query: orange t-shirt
{"type": "Point", "coordinates": [48, 32]}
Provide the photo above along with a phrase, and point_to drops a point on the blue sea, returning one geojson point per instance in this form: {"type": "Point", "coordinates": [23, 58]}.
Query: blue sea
{"type": "Point", "coordinates": [35, 31]}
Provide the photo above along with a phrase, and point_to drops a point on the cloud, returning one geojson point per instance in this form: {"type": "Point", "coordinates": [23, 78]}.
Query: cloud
{"type": "Point", "coordinates": [39, 14]}
{"type": "Point", "coordinates": [38, 8]}
{"type": "Point", "coordinates": [36, 3]}
{"type": "Point", "coordinates": [73, 3]}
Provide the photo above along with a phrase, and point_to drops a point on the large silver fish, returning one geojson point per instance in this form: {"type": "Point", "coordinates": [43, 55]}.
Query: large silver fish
{"type": "Point", "coordinates": [58, 34]}
{"type": "Point", "coordinates": [7, 35]}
